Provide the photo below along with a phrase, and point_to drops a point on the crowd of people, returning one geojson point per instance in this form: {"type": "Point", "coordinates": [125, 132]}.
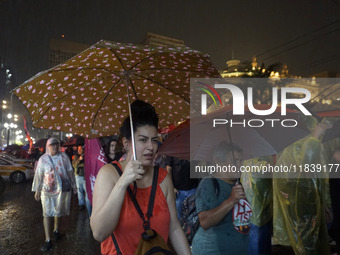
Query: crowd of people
{"type": "Point", "coordinates": [296, 212]}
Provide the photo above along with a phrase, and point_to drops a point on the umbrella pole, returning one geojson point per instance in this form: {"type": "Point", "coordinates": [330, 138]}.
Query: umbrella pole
{"type": "Point", "coordinates": [232, 151]}
{"type": "Point", "coordinates": [131, 123]}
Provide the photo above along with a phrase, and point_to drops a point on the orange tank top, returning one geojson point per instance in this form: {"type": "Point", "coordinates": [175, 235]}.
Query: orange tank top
{"type": "Point", "coordinates": [130, 227]}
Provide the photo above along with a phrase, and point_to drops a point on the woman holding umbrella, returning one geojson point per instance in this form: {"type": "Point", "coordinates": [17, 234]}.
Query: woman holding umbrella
{"type": "Point", "coordinates": [215, 203]}
{"type": "Point", "coordinates": [113, 210]}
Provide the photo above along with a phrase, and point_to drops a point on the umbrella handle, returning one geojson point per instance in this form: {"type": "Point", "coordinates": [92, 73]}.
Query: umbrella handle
{"type": "Point", "coordinates": [238, 181]}
{"type": "Point", "coordinates": [131, 123]}
{"type": "Point", "coordinates": [132, 135]}
{"type": "Point", "coordinates": [232, 147]}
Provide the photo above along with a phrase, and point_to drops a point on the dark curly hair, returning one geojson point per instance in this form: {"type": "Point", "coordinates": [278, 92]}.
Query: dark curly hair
{"type": "Point", "coordinates": [143, 114]}
{"type": "Point", "coordinates": [108, 144]}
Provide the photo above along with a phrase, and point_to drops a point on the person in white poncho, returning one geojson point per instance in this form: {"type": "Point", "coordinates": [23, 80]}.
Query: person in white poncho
{"type": "Point", "coordinates": [53, 181]}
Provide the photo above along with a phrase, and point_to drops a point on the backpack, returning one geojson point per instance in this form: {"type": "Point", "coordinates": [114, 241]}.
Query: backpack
{"type": "Point", "coordinates": [190, 221]}
{"type": "Point", "coordinates": [151, 242]}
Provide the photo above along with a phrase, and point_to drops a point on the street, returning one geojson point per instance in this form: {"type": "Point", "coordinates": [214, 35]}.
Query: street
{"type": "Point", "coordinates": [21, 228]}
{"type": "Point", "coordinates": [22, 232]}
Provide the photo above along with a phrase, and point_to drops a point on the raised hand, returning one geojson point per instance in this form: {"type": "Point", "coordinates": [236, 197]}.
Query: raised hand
{"type": "Point", "coordinates": [237, 193]}
{"type": "Point", "coordinates": [321, 128]}
{"type": "Point", "coordinates": [133, 171]}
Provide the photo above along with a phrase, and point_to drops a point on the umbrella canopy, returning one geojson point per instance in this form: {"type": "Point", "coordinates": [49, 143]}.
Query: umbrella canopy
{"type": "Point", "coordinates": [324, 114]}
{"type": "Point", "coordinates": [41, 143]}
{"type": "Point", "coordinates": [13, 147]}
{"type": "Point", "coordinates": [26, 146]}
{"type": "Point", "coordinates": [87, 94]}
{"type": "Point", "coordinates": [74, 141]}
{"type": "Point", "coordinates": [178, 142]}
{"type": "Point", "coordinates": [196, 139]}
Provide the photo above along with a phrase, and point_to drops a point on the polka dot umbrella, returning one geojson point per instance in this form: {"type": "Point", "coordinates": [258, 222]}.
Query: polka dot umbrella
{"type": "Point", "coordinates": [88, 94]}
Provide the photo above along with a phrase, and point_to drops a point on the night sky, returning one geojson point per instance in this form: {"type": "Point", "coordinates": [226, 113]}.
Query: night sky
{"type": "Point", "coordinates": [217, 28]}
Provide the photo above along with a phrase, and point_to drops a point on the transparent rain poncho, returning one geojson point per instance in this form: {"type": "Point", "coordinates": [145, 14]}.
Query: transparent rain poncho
{"type": "Point", "coordinates": [48, 180]}
{"type": "Point", "coordinates": [299, 203]}
{"type": "Point", "coordinates": [259, 192]}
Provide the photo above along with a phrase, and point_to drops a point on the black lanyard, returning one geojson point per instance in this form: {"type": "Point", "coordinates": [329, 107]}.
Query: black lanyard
{"type": "Point", "coordinates": [146, 223]}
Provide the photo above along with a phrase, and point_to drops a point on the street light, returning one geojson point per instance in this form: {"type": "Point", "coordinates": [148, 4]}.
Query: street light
{"type": "Point", "coordinates": [4, 104]}
{"type": "Point", "coordinates": [8, 127]}
{"type": "Point", "coordinates": [19, 136]}
{"type": "Point", "coordinates": [4, 107]}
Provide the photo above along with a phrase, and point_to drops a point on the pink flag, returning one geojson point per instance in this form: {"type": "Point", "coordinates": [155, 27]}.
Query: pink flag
{"type": "Point", "coordinates": [94, 160]}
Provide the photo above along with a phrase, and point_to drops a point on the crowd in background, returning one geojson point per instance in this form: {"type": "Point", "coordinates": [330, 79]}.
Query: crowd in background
{"type": "Point", "coordinates": [300, 213]}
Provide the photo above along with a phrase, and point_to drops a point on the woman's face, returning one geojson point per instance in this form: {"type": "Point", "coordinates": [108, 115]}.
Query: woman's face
{"type": "Point", "coordinates": [112, 147]}
{"type": "Point", "coordinates": [146, 141]}
{"type": "Point", "coordinates": [80, 150]}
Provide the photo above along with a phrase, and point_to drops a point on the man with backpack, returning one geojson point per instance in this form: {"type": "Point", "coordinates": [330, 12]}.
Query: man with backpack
{"type": "Point", "coordinates": [183, 184]}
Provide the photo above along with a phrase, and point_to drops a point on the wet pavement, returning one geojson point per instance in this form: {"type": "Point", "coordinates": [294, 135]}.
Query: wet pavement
{"type": "Point", "coordinates": [21, 225]}
{"type": "Point", "coordinates": [22, 232]}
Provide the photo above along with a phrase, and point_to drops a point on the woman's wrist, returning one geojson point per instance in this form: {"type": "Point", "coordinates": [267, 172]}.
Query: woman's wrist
{"type": "Point", "coordinates": [122, 184]}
